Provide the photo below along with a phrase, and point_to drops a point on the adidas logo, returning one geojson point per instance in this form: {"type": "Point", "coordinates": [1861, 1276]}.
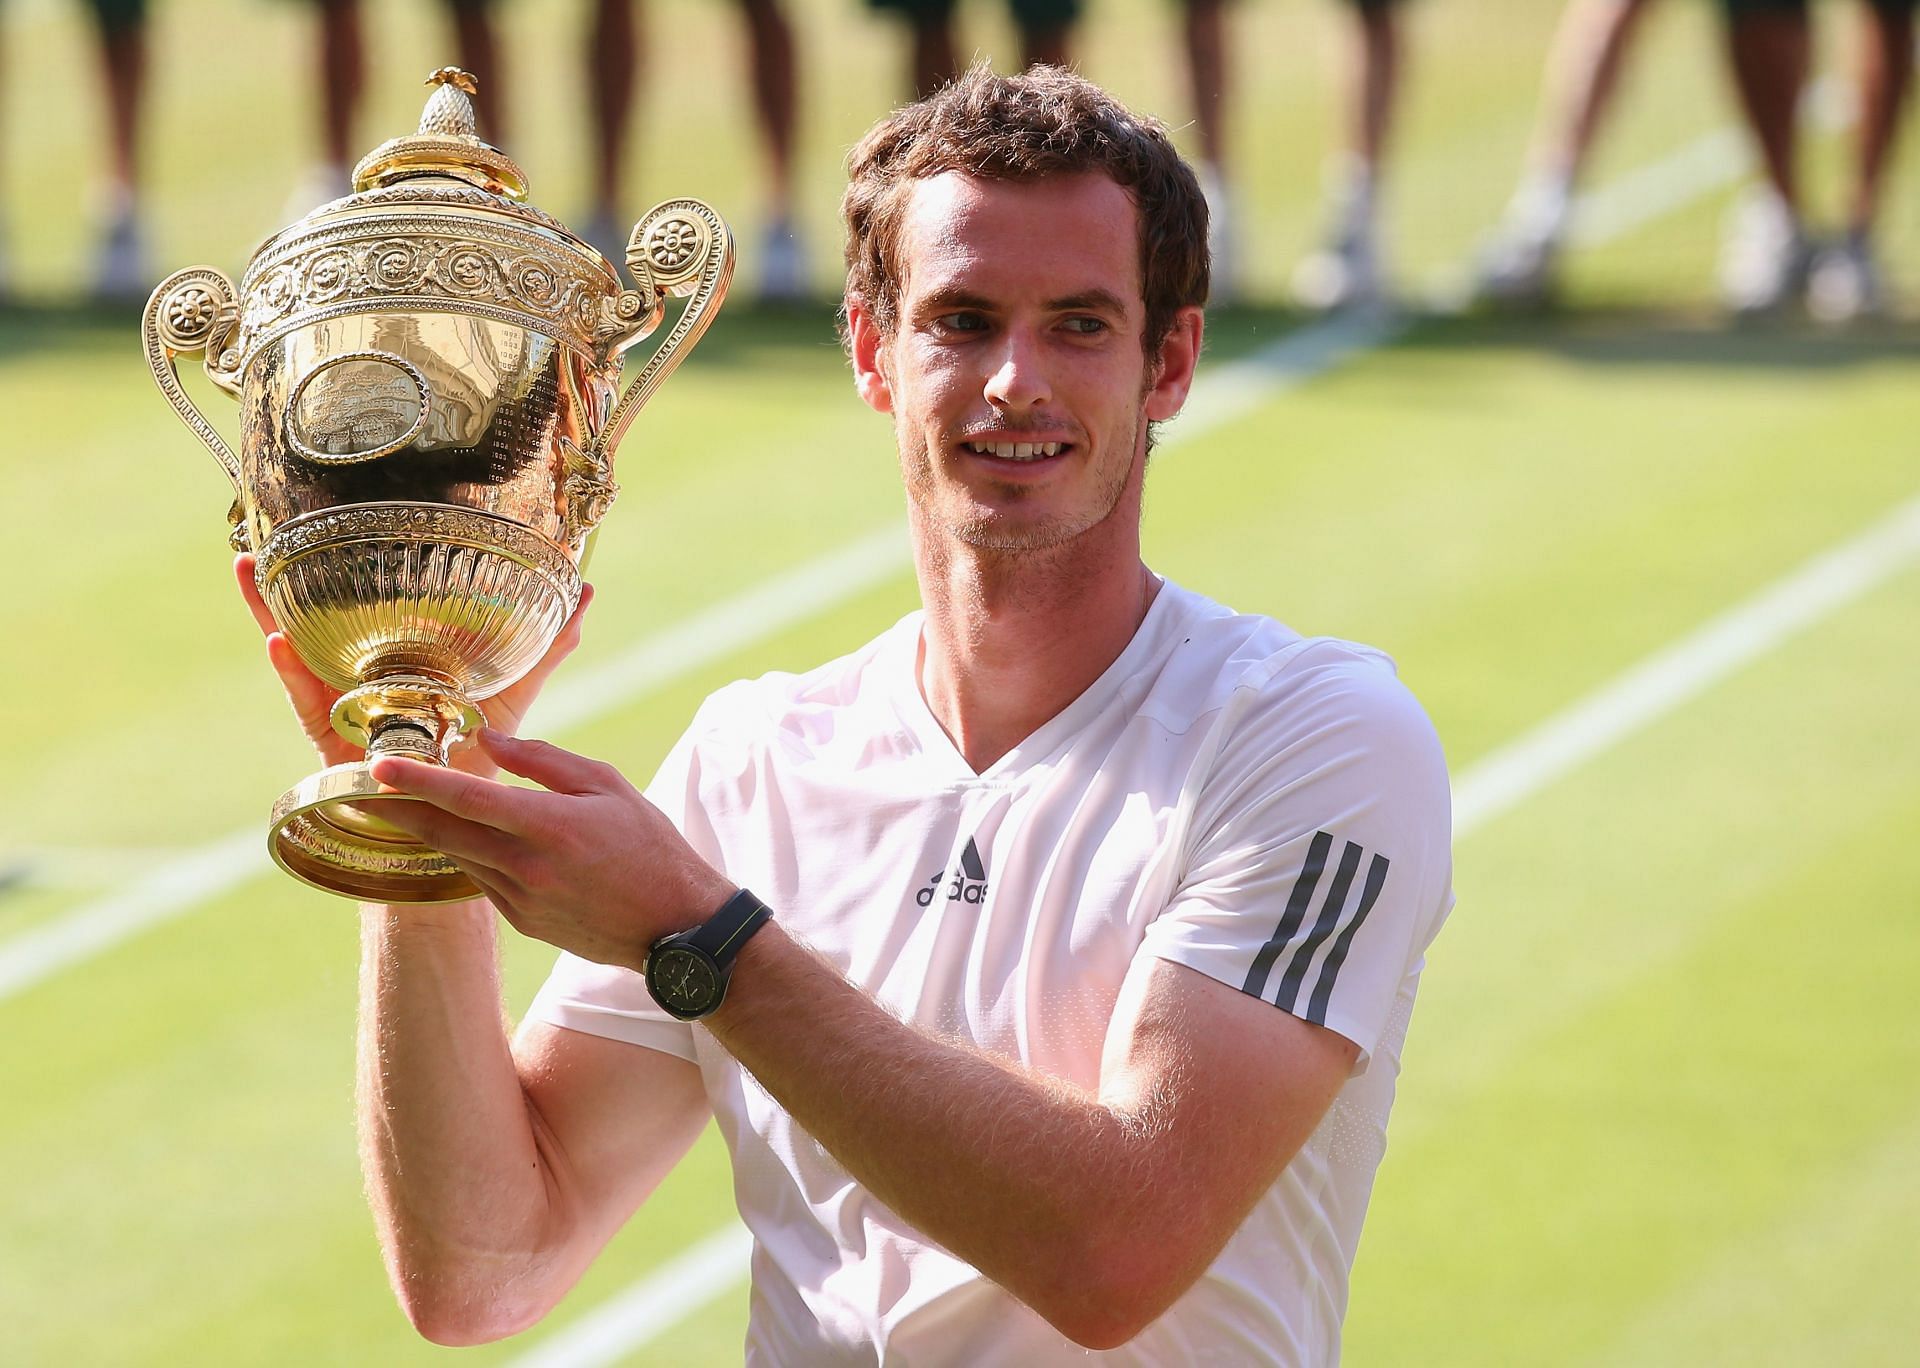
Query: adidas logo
{"type": "Point", "coordinates": [969, 882]}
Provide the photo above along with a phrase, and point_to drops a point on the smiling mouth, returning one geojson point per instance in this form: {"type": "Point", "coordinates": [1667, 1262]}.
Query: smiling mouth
{"type": "Point", "coordinates": [1017, 451]}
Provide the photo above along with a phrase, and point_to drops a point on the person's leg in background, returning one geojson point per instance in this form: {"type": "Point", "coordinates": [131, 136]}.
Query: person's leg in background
{"type": "Point", "coordinates": [1348, 270]}
{"type": "Point", "coordinates": [1765, 256]}
{"type": "Point", "coordinates": [1519, 263]}
{"type": "Point", "coordinates": [120, 267]}
{"type": "Point", "coordinates": [1846, 281]}
{"type": "Point", "coordinates": [1204, 41]}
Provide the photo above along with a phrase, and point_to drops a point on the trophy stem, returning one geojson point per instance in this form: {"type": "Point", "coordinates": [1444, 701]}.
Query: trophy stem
{"type": "Point", "coordinates": [416, 716]}
{"type": "Point", "coordinates": [327, 830]}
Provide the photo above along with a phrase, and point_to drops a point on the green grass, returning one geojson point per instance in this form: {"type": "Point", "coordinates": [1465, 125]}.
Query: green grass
{"type": "Point", "coordinates": [1660, 1102]}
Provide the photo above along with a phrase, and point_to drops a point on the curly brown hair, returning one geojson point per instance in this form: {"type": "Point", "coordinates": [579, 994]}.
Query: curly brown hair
{"type": "Point", "coordinates": [1046, 121]}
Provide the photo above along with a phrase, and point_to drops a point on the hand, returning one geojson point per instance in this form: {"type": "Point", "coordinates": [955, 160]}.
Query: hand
{"type": "Point", "coordinates": [313, 699]}
{"type": "Point", "coordinates": [588, 865]}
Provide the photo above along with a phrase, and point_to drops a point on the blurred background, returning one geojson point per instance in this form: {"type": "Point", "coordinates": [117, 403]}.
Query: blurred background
{"type": "Point", "coordinates": [1619, 465]}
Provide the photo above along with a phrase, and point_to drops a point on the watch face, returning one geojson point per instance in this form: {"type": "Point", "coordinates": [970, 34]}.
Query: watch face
{"type": "Point", "coordinates": [682, 980]}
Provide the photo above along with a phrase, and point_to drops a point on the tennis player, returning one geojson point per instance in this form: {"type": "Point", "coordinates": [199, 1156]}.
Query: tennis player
{"type": "Point", "coordinates": [1045, 962]}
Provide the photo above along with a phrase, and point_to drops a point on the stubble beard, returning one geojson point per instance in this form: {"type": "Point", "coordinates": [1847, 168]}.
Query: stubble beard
{"type": "Point", "coordinates": [996, 533]}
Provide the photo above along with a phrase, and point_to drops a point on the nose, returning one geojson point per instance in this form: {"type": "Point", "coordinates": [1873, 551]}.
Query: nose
{"type": "Point", "coordinates": [1018, 380]}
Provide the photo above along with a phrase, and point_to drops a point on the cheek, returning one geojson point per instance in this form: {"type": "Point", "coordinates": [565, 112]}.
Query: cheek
{"type": "Point", "coordinates": [930, 388]}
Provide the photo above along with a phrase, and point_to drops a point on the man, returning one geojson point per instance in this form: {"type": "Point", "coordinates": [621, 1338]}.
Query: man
{"type": "Point", "coordinates": [614, 54]}
{"type": "Point", "coordinates": [1097, 909]}
{"type": "Point", "coordinates": [1767, 258]}
{"type": "Point", "coordinates": [120, 273]}
{"type": "Point", "coordinates": [1520, 263]}
{"type": "Point", "coordinates": [1348, 270]}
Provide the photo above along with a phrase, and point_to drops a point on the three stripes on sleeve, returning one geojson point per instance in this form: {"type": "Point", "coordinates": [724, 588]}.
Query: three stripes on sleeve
{"type": "Point", "coordinates": [1340, 917]}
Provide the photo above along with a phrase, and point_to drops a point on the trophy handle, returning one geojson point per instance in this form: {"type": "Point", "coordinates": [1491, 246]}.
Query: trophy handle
{"type": "Point", "coordinates": [681, 247]}
{"type": "Point", "coordinates": [195, 311]}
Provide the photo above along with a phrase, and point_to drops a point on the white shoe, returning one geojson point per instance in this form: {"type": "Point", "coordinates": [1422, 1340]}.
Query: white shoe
{"type": "Point", "coordinates": [120, 272]}
{"type": "Point", "coordinates": [1845, 284]}
{"type": "Point", "coordinates": [1516, 267]}
{"type": "Point", "coordinates": [1763, 255]}
{"type": "Point", "coordinates": [783, 263]}
{"type": "Point", "coordinates": [1517, 270]}
{"type": "Point", "coordinates": [1345, 274]}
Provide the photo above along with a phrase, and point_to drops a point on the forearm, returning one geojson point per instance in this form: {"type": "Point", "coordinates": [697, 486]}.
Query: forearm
{"type": "Point", "coordinates": [455, 1174]}
{"type": "Point", "coordinates": [1015, 1172]}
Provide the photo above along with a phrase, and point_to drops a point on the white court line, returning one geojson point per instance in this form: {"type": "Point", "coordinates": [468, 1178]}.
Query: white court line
{"type": "Point", "coordinates": [1659, 685]}
{"type": "Point", "coordinates": [1669, 678]}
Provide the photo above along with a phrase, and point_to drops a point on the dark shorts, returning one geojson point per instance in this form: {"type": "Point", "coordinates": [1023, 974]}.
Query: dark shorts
{"type": "Point", "coordinates": [115, 15]}
{"type": "Point", "coordinates": [1034, 14]}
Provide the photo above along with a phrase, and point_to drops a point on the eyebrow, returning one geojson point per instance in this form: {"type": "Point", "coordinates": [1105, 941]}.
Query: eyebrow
{"type": "Point", "coordinates": [1098, 301]}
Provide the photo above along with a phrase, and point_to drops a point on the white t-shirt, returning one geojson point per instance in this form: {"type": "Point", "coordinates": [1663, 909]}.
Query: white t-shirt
{"type": "Point", "coordinates": [1269, 810]}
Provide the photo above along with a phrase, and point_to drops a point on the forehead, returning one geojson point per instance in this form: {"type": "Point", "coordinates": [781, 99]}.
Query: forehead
{"type": "Point", "coordinates": [1051, 237]}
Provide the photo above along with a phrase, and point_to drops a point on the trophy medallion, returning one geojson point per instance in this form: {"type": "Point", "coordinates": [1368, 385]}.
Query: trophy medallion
{"type": "Point", "coordinates": [429, 379]}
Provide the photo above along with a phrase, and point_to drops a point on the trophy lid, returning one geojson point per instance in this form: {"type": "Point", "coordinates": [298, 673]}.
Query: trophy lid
{"type": "Point", "coordinates": [447, 144]}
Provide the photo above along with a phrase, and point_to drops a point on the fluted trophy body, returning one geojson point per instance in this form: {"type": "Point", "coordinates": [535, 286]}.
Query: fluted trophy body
{"type": "Point", "coordinates": [428, 373]}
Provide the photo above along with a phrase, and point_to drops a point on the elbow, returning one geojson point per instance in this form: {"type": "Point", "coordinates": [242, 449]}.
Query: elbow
{"type": "Point", "coordinates": [462, 1311]}
{"type": "Point", "coordinates": [1116, 1291]}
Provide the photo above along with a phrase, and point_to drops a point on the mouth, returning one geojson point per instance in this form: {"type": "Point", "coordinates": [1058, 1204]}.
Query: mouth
{"type": "Point", "coordinates": [1020, 453]}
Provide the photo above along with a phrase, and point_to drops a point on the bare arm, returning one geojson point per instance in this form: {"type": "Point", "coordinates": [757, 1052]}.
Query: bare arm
{"type": "Point", "coordinates": [495, 1171]}
{"type": "Point", "coordinates": [1205, 1095]}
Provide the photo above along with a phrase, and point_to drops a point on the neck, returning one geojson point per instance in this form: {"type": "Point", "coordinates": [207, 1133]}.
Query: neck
{"type": "Point", "coordinates": [1011, 638]}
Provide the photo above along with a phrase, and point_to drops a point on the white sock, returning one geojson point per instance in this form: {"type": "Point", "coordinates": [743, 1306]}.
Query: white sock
{"type": "Point", "coordinates": [1542, 205]}
{"type": "Point", "coordinates": [1353, 193]}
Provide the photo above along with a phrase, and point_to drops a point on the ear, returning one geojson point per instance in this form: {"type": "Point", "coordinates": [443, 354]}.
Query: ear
{"type": "Point", "coordinates": [1178, 356]}
{"type": "Point", "coordinates": [867, 346]}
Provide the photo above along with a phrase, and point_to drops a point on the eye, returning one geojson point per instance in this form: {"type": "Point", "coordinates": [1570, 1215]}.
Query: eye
{"type": "Point", "coordinates": [961, 321]}
{"type": "Point", "coordinates": [1085, 325]}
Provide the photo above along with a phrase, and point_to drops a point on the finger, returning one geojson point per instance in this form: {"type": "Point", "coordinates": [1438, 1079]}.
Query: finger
{"type": "Point", "coordinates": [552, 767]}
{"type": "Point", "coordinates": [563, 646]}
{"type": "Point", "coordinates": [482, 851]}
{"type": "Point", "coordinates": [485, 802]}
{"type": "Point", "coordinates": [310, 694]}
{"type": "Point", "coordinates": [243, 566]}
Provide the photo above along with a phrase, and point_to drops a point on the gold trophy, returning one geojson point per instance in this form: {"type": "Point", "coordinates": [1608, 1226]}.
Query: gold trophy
{"type": "Point", "coordinates": [428, 376]}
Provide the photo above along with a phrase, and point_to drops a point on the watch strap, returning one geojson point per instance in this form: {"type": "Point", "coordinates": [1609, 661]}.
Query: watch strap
{"type": "Point", "coordinates": [722, 934]}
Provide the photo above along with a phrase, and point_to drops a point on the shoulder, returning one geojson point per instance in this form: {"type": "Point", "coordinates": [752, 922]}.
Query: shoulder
{"type": "Point", "coordinates": [1295, 717]}
{"type": "Point", "coordinates": [1257, 680]}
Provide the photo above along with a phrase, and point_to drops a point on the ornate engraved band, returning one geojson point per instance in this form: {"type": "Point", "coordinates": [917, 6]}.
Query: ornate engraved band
{"type": "Point", "coordinates": [419, 522]}
{"type": "Point", "coordinates": [400, 263]}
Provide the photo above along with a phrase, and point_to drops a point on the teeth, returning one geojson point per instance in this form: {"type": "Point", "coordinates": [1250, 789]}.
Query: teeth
{"type": "Point", "coordinates": [1016, 451]}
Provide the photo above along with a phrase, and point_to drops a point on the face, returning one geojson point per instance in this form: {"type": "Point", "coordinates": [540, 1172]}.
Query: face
{"type": "Point", "coordinates": [1015, 374]}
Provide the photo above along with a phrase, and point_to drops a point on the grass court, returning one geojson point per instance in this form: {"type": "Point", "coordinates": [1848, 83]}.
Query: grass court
{"type": "Point", "coordinates": [1662, 1094]}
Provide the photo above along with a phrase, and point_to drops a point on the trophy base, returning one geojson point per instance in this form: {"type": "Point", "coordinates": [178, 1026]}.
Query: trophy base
{"type": "Point", "coordinates": [322, 837]}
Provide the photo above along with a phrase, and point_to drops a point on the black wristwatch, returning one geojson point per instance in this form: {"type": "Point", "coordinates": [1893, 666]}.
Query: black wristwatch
{"type": "Point", "coordinates": [687, 971]}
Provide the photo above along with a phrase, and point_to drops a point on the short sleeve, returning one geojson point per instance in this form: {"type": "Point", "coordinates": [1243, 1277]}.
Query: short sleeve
{"type": "Point", "coordinates": [1318, 864]}
{"type": "Point", "coordinates": [612, 1001]}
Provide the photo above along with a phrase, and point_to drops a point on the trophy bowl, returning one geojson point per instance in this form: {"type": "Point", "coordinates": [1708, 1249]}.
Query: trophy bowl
{"type": "Point", "coordinates": [428, 372]}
